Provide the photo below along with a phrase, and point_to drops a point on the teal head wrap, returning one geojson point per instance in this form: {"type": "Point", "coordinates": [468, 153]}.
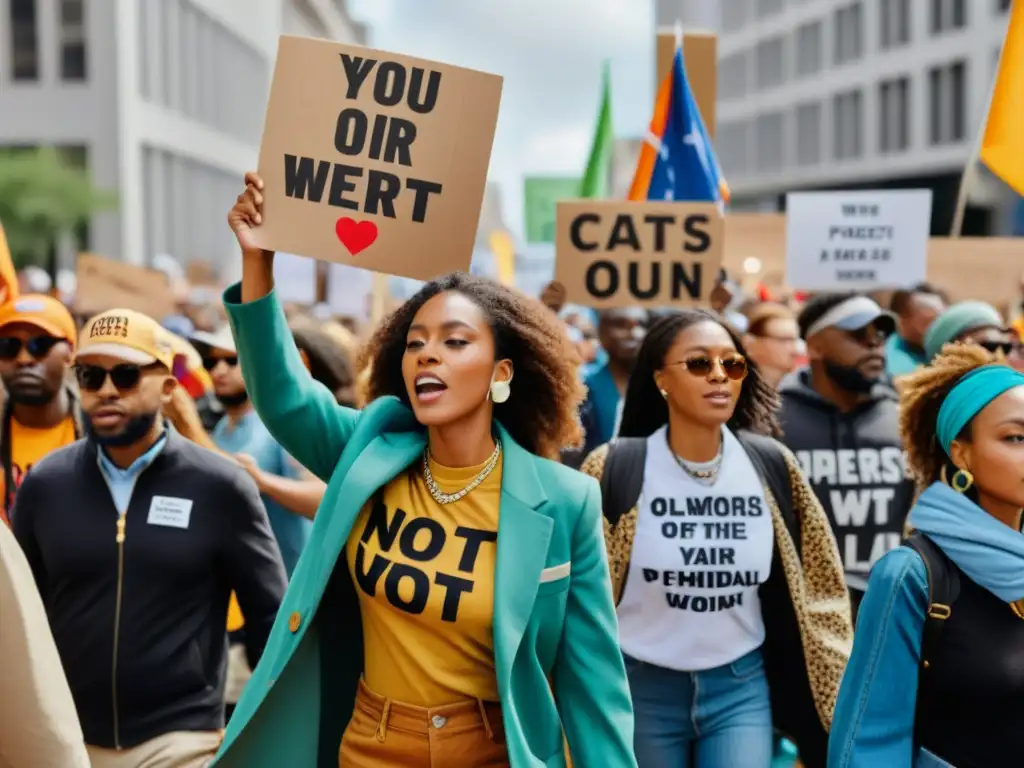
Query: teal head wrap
{"type": "Point", "coordinates": [969, 396]}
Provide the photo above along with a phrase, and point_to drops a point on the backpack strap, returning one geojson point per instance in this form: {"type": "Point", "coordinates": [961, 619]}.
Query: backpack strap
{"type": "Point", "coordinates": [943, 590]}
{"type": "Point", "coordinates": [770, 462]}
{"type": "Point", "coordinates": [622, 479]}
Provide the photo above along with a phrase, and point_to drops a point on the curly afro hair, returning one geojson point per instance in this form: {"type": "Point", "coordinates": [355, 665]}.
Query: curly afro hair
{"type": "Point", "coordinates": [542, 418]}
{"type": "Point", "coordinates": [645, 410]}
{"type": "Point", "coordinates": [921, 396]}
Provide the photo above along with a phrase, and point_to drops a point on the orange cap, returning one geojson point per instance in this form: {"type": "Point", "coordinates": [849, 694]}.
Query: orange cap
{"type": "Point", "coordinates": [44, 312]}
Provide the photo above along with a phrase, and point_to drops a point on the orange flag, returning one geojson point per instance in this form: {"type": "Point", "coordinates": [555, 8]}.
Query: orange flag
{"type": "Point", "coordinates": [8, 276]}
{"type": "Point", "coordinates": [1002, 149]}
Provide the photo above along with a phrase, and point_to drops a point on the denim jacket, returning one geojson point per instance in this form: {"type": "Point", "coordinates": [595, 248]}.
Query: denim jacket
{"type": "Point", "coordinates": [874, 716]}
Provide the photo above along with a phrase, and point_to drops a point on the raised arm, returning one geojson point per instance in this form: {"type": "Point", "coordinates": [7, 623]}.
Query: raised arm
{"type": "Point", "coordinates": [299, 412]}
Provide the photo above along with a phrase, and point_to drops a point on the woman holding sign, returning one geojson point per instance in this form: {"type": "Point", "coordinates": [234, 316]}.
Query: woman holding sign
{"type": "Point", "coordinates": [733, 614]}
{"type": "Point", "coordinates": [452, 607]}
{"type": "Point", "coordinates": [937, 672]}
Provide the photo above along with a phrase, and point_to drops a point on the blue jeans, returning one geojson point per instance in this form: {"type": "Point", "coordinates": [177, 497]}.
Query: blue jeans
{"type": "Point", "coordinates": [717, 718]}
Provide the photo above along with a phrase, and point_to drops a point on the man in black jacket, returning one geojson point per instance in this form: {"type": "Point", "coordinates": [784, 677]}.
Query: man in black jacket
{"type": "Point", "coordinates": [840, 417]}
{"type": "Point", "coordinates": [136, 538]}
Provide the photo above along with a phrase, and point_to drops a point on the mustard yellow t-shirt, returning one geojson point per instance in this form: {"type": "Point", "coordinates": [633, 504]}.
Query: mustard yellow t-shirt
{"type": "Point", "coordinates": [424, 573]}
{"type": "Point", "coordinates": [30, 445]}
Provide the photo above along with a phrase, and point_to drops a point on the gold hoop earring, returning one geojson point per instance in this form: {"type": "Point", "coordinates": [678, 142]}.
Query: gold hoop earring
{"type": "Point", "coordinates": [962, 481]}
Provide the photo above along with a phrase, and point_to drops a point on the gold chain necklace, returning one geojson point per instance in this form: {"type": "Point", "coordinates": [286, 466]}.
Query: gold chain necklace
{"type": "Point", "coordinates": [448, 498]}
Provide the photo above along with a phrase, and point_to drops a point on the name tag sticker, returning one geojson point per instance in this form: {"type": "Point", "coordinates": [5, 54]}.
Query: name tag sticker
{"type": "Point", "coordinates": [170, 512]}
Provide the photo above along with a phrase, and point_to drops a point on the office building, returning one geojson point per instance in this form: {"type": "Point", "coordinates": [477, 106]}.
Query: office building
{"type": "Point", "coordinates": [161, 100]}
{"type": "Point", "coordinates": [858, 94]}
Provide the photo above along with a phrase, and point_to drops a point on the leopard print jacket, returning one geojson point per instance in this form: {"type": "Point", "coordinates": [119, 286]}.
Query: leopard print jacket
{"type": "Point", "coordinates": [814, 576]}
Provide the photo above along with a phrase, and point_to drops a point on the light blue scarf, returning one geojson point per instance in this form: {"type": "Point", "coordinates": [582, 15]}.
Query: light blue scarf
{"type": "Point", "coordinates": [990, 553]}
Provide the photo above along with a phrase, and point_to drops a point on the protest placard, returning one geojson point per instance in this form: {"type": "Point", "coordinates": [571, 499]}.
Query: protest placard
{"type": "Point", "coordinates": [104, 284]}
{"type": "Point", "coordinates": [374, 159]}
{"type": "Point", "coordinates": [857, 241]}
{"type": "Point", "coordinates": [611, 253]}
{"type": "Point", "coordinates": [700, 57]}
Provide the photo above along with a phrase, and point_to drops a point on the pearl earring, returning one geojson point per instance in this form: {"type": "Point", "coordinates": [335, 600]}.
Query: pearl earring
{"type": "Point", "coordinates": [664, 394]}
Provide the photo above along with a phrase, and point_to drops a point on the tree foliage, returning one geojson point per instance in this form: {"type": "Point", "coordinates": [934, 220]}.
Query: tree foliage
{"type": "Point", "coordinates": [42, 197]}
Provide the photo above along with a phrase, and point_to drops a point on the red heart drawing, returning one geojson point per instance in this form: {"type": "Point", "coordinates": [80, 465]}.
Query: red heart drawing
{"type": "Point", "coordinates": [355, 235]}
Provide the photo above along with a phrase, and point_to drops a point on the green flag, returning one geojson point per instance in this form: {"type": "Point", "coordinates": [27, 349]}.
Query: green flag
{"type": "Point", "coordinates": [596, 181]}
{"type": "Point", "coordinates": [541, 194]}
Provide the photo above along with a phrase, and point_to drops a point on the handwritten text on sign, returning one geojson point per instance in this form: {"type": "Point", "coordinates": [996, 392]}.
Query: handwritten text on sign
{"type": "Point", "coordinates": [375, 159]}
{"type": "Point", "coordinates": [620, 254]}
{"type": "Point", "coordinates": [857, 240]}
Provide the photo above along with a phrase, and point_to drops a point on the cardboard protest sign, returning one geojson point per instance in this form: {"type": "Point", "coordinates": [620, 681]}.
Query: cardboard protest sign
{"type": "Point", "coordinates": [984, 268]}
{"type": "Point", "coordinates": [107, 284]}
{"type": "Point", "coordinates": [374, 159]}
{"type": "Point", "coordinates": [700, 57]}
{"type": "Point", "coordinates": [754, 235]}
{"type": "Point", "coordinates": [611, 253]}
{"type": "Point", "coordinates": [854, 241]}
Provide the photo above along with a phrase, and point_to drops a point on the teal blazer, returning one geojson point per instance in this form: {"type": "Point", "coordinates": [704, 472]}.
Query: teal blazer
{"type": "Point", "coordinates": [300, 698]}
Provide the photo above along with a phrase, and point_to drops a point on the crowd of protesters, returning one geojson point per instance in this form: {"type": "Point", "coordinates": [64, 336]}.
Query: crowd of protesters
{"type": "Point", "coordinates": [179, 490]}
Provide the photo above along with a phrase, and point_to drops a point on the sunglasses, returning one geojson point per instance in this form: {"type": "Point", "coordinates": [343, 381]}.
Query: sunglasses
{"type": "Point", "coordinates": [38, 346]}
{"type": "Point", "coordinates": [125, 376]}
{"type": "Point", "coordinates": [209, 363]}
{"type": "Point", "coordinates": [867, 335]}
{"type": "Point", "coordinates": [735, 367]}
{"type": "Point", "coordinates": [995, 347]}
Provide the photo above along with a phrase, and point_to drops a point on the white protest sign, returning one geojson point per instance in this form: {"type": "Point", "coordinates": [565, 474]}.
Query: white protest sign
{"type": "Point", "coordinates": [294, 279]}
{"type": "Point", "coordinates": [857, 241]}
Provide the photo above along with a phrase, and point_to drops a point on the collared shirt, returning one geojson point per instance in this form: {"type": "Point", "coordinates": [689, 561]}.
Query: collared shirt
{"type": "Point", "coordinates": [249, 435]}
{"type": "Point", "coordinates": [121, 482]}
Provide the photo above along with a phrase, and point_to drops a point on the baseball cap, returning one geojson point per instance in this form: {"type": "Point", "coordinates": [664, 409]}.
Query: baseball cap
{"type": "Point", "coordinates": [44, 312]}
{"type": "Point", "coordinates": [853, 314]}
{"type": "Point", "coordinates": [221, 339]}
{"type": "Point", "coordinates": [128, 335]}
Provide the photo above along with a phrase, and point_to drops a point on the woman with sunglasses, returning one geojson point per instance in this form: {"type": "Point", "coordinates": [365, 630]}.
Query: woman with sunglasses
{"type": "Point", "coordinates": [972, 322]}
{"type": "Point", "coordinates": [733, 615]}
{"type": "Point", "coordinates": [937, 672]}
{"type": "Point", "coordinates": [452, 608]}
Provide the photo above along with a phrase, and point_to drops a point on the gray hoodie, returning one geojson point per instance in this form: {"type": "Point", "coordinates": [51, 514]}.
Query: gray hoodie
{"type": "Point", "coordinates": [856, 465]}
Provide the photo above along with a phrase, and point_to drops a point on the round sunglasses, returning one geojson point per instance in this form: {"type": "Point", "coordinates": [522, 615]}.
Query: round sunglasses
{"type": "Point", "coordinates": [735, 366]}
{"type": "Point", "coordinates": [125, 377]}
{"type": "Point", "coordinates": [37, 346]}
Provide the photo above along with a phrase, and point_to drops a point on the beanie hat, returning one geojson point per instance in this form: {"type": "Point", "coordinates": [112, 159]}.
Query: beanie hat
{"type": "Point", "coordinates": [959, 319]}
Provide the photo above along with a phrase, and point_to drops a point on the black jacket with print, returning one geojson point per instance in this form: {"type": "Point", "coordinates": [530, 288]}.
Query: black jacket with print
{"type": "Point", "coordinates": [855, 463]}
{"type": "Point", "coordinates": [141, 625]}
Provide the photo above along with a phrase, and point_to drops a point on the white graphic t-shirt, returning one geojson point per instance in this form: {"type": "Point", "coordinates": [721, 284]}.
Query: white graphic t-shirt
{"type": "Point", "coordinates": [699, 555]}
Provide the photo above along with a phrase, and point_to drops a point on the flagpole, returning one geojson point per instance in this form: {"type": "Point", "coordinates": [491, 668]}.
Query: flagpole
{"type": "Point", "coordinates": [970, 168]}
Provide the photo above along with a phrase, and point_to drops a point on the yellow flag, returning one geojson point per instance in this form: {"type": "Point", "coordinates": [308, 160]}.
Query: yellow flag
{"type": "Point", "coordinates": [1003, 147]}
{"type": "Point", "coordinates": [504, 251]}
{"type": "Point", "coordinates": [8, 276]}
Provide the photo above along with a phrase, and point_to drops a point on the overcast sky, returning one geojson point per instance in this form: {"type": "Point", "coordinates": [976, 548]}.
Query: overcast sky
{"type": "Point", "coordinates": [550, 54]}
